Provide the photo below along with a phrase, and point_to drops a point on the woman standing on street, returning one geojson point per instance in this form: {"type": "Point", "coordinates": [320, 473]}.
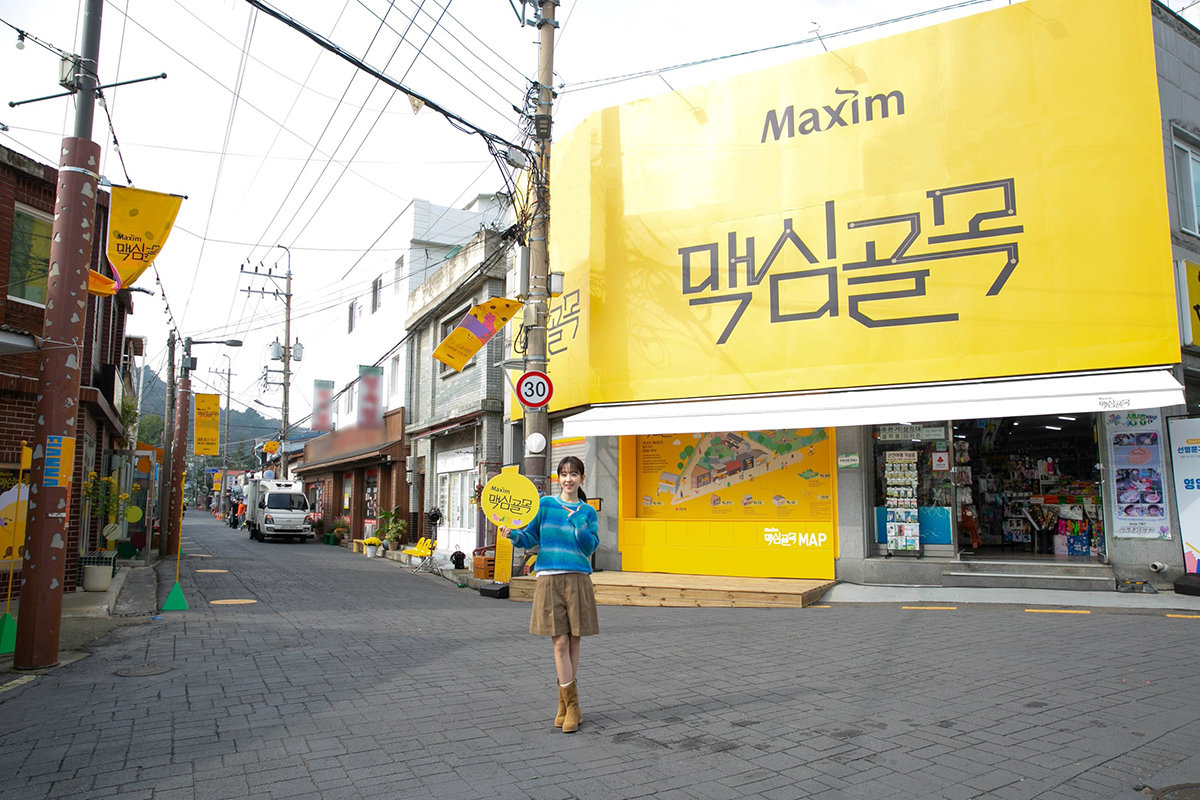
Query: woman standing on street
{"type": "Point", "coordinates": [564, 606]}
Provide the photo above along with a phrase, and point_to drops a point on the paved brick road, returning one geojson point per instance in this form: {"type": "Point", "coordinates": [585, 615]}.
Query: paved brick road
{"type": "Point", "coordinates": [351, 678]}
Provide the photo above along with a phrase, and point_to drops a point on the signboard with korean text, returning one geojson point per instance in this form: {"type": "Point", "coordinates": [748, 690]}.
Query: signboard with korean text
{"type": "Point", "coordinates": [1185, 465]}
{"type": "Point", "coordinates": [207, 425]}
{"type": "Point", "coordinates": [957, 202]}
{"type": "Point", "coordinates": [1135, 452]}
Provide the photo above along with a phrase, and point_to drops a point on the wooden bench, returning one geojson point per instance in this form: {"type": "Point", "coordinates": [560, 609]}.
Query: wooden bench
{"type": "Point", "coordinates": [358, 545]}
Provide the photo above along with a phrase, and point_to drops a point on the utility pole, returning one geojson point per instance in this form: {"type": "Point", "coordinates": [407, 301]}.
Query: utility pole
{"type": "Point", "coordinates": [228, 373]}
{"type": "Point", "coordinates": [63, 331]}
{"type": "Point", "coordinates": [183, 408]}
{"type": "Point", "coordinates": [287, 365]}
{"type": "Point", "coordinates": [537, 420]}
{"type": "Point", "coordinates": [165, 488]}
{"type": "Point", "coordinates": [288, 353]}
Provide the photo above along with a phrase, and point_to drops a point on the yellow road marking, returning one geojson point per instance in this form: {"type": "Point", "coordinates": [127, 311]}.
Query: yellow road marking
{"type": "Point", "coordinates": [1056, 611]}
{"type": "Point", "coordinates": [1184, 616]}
{"type": "Point", "coordinates": [17, 682]}
{"type": "Point", "coordinates": [234, 602]}
{"type": "Point", "coordinates": [825, 606]}
{"type": "Point", "coordinates": [930, 608]}
{"type": "Point", "coordinates": [212, 570]}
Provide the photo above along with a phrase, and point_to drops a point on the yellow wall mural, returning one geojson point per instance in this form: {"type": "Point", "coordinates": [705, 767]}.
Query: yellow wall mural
{"type": "Point", "coordinates": [752, 503]}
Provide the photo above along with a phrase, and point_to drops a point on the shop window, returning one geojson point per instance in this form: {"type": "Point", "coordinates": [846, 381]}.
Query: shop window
{"type": "Point", "coordinates": [347, 491]}
{"type": "Point", "coordinates": [913, 492]}
{"type": "Point", "coordinates": [394, 377]}
{"type": "Point", "coordinates": [449, 324]}
{"type": "Point", "coordinates": [371, 495]}
{"type": "Point", "coordinates": [1187, 185]}
{"type": "Point", "coordinates": [29, 255]}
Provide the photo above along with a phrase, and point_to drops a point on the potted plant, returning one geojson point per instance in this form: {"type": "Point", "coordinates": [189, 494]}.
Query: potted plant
{"type": "Point", "coordinates": [392, 528]}
{"type": "Point", "coordinates": [371, 545]}
{"type": "Point", "coordinates": [340, 529]}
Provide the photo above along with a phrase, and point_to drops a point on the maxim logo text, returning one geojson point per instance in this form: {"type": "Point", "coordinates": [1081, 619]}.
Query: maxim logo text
{"type": "Point", "coordinates": [851, 110]}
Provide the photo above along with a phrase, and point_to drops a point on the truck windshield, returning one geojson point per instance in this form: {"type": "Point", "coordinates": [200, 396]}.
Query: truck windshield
{"type": "Point", "coordinates": [287, 502]}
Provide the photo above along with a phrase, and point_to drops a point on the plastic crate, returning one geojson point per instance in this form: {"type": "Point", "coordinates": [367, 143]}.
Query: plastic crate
{"type": "Point", "coordinates": [484, 567]}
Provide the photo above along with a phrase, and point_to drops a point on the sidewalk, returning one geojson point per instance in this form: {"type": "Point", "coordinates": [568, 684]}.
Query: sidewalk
{"type": "Point", "coordinates": [853, 593]}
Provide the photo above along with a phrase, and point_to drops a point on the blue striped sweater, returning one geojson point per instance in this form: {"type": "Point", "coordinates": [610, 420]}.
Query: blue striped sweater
{"type": "Point", "coordinates": [563, 544]}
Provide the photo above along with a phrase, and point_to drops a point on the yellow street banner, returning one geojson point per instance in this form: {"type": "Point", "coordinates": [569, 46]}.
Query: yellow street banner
{"type": "Point", "coordinates": [478, 326]}
{"type": "Point", "coordinates": [208, 426]}
{"type": "Point", "coordinates": [139, 223]}
{"type": "Point", "coordinates": [216, 481]}
{"type": "Point", "coordinates": [979, 198]}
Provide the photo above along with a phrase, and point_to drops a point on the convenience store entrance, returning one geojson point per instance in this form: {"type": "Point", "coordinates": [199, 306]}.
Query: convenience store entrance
{"type": "Point", "coordinates": [993, 488]}
{"type": "Point", "coordinates": [1028, 487]}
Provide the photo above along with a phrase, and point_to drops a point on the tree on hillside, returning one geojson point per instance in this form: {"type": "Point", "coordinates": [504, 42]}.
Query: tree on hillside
{"type": "Point", "coordinates": [150, 428]}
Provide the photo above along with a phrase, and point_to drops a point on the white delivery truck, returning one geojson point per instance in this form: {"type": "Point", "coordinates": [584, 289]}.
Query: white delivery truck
{"type": "Point", "coordinates": [277, 509]}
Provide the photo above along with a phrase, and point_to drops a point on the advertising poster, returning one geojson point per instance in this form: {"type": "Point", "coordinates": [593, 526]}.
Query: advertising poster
{"type": "Point", "coordinates": [1135, 449]}
{"type": "Point", "coordinates": [1185, 465]}
{"type": "Point", "coordinates": [207, 428]}
{"type": "Point", "coordinates": [749, 503]}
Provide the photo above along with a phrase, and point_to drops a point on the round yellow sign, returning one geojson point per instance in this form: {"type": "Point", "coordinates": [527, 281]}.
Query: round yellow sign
{"type": "Point", "coordinates": [510, 500]}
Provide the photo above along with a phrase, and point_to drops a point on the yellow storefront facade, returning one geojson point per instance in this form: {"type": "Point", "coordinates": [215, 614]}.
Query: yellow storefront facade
{"type": "Point", "coordinates": [959, 222]}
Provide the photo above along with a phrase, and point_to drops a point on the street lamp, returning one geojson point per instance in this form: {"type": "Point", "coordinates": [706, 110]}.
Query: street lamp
{"type": "Point", "coordinates": [179, 444]}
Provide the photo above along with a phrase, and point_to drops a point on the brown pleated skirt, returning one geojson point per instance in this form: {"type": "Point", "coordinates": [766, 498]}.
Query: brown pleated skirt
{"type": "Point", "coordinates": [564, 603]}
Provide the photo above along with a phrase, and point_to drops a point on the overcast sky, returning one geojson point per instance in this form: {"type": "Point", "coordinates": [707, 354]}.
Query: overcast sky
{"type": "Point", "coordinates": [275, 141]}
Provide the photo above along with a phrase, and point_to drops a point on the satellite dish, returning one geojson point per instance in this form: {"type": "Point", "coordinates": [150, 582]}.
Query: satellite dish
{"type": "Point", "coordinates": [269, 475]}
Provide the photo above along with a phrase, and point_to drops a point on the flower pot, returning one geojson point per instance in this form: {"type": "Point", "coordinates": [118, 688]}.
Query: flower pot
{"type": "Point", "coordinates": [393, 545]}
{"type": "Point", "coordinates": [371, 550]}
{"type": "Point", "coordinates": [97, 578]}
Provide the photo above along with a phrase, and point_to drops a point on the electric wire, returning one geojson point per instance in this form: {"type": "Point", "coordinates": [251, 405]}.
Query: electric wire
{"type": "Point", "coordinates": [251, 22]}
{"type": "Point", "coordinates": [370, 130]}
{"type": "Point", "coordinates": [353, 77]}
{"type": "Point", "coordinates": [600, 82]}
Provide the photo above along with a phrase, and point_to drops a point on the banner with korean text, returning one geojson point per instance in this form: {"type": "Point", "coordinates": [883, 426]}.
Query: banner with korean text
{"type": "Point", "coordinates": [139, 222]}
{"type": "Point", "coordinates": [1185, 465]}
{"type": "Point", "coordinates": [208, 425]}
{"type": "Point", "coordinates": [370, 396]}
{"type": "Point", "coordinates": [963, 201]}
{"type": "Point", "coordinates": [322, 415]}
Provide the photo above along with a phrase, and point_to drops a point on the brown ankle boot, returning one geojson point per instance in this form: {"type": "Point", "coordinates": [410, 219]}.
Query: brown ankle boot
{"type": "Point", "coordinates": [573, 716]}
{"type": "Point", "coordinates": [562, 707]}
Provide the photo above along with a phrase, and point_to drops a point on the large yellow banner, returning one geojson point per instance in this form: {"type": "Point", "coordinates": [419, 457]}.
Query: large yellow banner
{"type": "Point", "coordinates": [139, 223]}
{"type": "Point", "coordinates": [208, 415]}
{"type": "Point", "coordinates": [980, 198]}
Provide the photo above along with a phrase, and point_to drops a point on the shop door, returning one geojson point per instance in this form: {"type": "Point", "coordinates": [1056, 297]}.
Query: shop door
{"type": "Point", "coordinates": [457, 530]}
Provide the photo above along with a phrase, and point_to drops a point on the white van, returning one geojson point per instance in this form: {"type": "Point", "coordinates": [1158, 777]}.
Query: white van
{"type": "Point", "coordinates": [277, 509]}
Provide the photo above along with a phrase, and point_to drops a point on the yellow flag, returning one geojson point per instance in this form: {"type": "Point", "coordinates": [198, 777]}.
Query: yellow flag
{"type": "Point", "coordinates": [100, 285]}
{"type": "Point", "coordinates": [139, 223]}
{"type": "Point", "coordinates": [477, 327]}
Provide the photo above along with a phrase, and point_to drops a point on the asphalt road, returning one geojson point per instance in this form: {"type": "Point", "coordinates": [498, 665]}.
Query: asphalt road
{"type": "Point", "coordinates": [351, 678]}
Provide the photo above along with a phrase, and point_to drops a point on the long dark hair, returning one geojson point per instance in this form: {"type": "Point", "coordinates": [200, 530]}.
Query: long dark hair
{"type": "Point", "coordinates": [577, 463]}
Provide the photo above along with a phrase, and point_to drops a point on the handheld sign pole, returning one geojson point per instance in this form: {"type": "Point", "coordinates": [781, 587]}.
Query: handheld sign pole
{"type": "Point", "coordinates": [510, 500]}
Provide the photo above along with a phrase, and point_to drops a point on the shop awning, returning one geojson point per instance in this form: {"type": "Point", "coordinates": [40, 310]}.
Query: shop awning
{"type": "Point", "coordinates": [1112, 390]}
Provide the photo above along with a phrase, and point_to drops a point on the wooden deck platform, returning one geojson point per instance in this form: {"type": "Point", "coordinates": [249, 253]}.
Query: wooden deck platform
{"type": "Point", "coordinates": [682, 591]}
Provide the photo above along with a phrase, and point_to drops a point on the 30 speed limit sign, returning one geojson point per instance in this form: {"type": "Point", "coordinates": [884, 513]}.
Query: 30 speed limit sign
{"type": "Point", "coordinates": [534, 389]}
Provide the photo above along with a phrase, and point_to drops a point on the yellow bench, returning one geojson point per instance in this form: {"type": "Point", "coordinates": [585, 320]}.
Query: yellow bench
{"type": "Point", "coordinates": [358, 545]}
{"type": "Point", "coordinates": [422, 554]}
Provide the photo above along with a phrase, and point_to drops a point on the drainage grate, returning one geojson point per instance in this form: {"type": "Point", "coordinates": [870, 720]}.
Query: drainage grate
{"type": "Point", "coordinates": [1178, 791]}
{"type": "Point", "coordinates": [141, 671]}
